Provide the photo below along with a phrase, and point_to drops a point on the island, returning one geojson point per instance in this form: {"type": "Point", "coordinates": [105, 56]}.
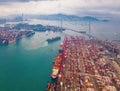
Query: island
{"type": "Point", "coordinates": [38, 27]}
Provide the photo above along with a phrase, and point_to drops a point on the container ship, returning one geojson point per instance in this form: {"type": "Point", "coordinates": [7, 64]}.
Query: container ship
{"type": "Point", "coordinates": [84, 65]}
{"type": "Point", "coordinates": [56, 66]}
{"type": "Point", "coordinates": [51, 40]}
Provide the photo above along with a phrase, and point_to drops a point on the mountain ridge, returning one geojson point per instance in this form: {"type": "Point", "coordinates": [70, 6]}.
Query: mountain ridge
{"type": "Point", "coordinates": [67, 17]}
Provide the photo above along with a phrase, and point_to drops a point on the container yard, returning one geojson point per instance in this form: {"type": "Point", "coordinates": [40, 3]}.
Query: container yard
{"type": "Point", "coordinates": [7, 37]}
{"type": "Point", "coordinates": [84, 65]}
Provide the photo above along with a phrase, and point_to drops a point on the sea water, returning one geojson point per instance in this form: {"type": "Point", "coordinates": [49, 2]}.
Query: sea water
{"type": "Point", "coordinates": [26, 65]}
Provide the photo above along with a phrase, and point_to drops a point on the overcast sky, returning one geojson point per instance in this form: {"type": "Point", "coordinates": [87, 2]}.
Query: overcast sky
{"type": "Point", "coordinates": [78, 7]}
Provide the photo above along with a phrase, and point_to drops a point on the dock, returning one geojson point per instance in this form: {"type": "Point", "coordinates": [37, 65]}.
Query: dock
{"type": "Point", "coordinates": [86, 65]}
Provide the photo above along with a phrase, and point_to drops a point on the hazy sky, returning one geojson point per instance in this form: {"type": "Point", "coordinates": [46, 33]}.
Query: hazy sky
{"type": "Point", "coordinates": [79, 7]}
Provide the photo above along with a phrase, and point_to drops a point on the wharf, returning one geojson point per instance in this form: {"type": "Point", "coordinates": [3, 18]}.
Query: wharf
{"type": "Point", "coordinates": [85, 66]}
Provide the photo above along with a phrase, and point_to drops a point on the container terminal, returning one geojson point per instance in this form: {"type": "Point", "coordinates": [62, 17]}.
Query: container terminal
{"type": "Point", "coordinates": [85, 65]}
{"type": "Point", "coordinates": [8, 37]}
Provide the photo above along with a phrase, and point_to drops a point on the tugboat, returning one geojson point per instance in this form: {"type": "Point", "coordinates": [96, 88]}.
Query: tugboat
{"type": "Point", "coordinates": [53, 39]}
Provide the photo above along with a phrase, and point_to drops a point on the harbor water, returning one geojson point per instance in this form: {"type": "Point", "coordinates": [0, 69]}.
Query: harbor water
{"type": "Point", "coordinates": [26, 65]}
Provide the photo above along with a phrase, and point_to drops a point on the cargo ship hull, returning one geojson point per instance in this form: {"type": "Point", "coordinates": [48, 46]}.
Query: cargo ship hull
{"type": "Point", "coordinates": [53, 39]}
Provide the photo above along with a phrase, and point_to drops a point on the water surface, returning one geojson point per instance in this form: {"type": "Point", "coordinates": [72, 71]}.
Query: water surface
{"type": "Point", "coordinates": [26, 65]}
